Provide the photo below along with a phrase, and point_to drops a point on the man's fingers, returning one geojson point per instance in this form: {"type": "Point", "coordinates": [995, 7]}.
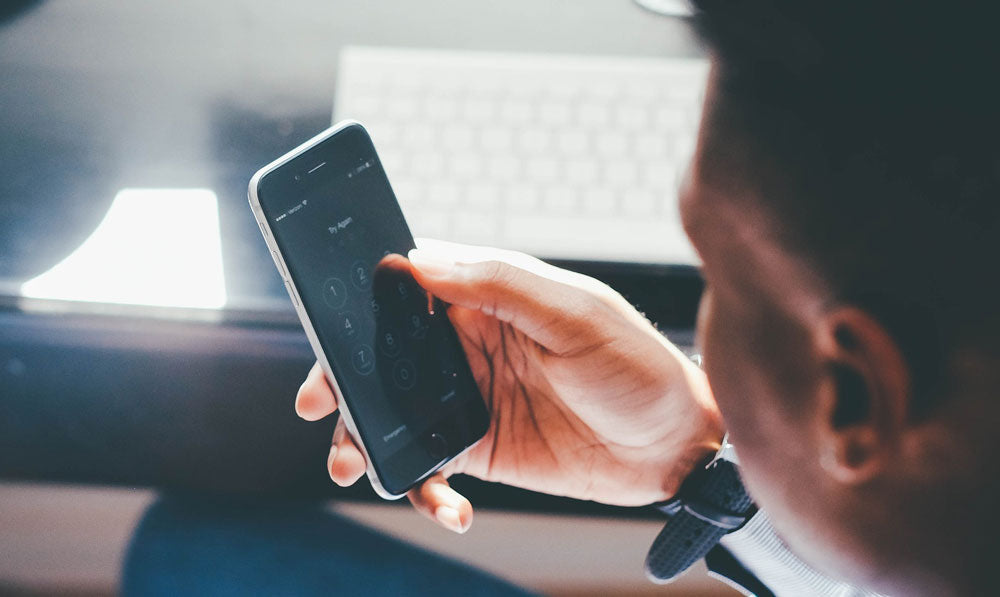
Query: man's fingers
{"type": "Point", "coordinates": [436, 500]}
{"type": "Point", "coordinates": [315, 399]}
{"type": "Point", "coordinates": [346, 463]}
{"type": "Point", "coordinates": [546, 303]}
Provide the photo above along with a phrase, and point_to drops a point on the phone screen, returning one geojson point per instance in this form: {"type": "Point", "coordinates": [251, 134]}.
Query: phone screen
{"type": "Point", "coordinates": [395, 355]}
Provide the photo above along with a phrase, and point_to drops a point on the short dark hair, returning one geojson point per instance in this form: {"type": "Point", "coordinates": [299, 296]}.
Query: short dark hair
{"type": "Point", "coordinates": [883, 116]}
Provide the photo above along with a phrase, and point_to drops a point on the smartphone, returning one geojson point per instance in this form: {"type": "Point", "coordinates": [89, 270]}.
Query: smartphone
{"type": "Point", "coordinates": [390, 353]}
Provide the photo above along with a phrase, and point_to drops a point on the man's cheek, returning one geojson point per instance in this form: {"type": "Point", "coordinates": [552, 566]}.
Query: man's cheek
{"type": "Point", "coordinates": [725, 361]}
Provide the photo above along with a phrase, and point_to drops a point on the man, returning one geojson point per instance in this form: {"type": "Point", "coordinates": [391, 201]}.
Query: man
{"type": "Point", "coordinates": [844, 200]}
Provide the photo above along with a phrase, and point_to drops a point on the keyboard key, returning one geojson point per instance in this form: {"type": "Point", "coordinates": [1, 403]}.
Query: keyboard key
{"type": "Point", "coordinates": [593, 115]}
{"type": "Point", "coordinates": [475, 228]}
{"type": "Point", "coordinates": [504, 169]}
{"type": "Point", "coordinates": [669, 207]}
{"type": "Point", "coordinates": [639, 204]}
{"type": "Point", "coordinates": [534, 140]}
{"type": "Point", "coordinates": [631, 117]}
{"type": "Point", "coordinates": [582, 171]}
{"type": "Point", "coordinates": [427, 165]}
{"type": "Point", "coordinates": [521, 197]}
{"type": "Point", "coordinates": [440, 109]}
{"type": "Point", "coordinates": [466, 166]}
{"type": "Point", "coordinates": [457, 138]}
{"type": "Point", "coordinates": [497, 139]}
{"type": "Point", "coordinates": [418, 137]}
{"type": "Point", "coordinates": [401, 109]}
{"type": "Point", "coordinates": [428, 223]}
{"type": "Point", "coordinates": [599, 201]}
{"type": "Point", "coordinates": [446, 82]}
{"type": "Point", "coordinates": [541, 170]}
{"type": "Point", "coordinates": [689, 93]}
{"type": "Point", "coordinates": [478, 112]}
{"type": "Point", "coordinates": [621, 173]}
{"type": "Point", "coordinates": [572, 143]}
{"type": "Point", "coordinates": [408, 81]}
{"type": "Point", "coordinates": [683, 148]}
{"type": "Point", "coordinates": [443, 193]}
{"type": "Point", "coordinates": [560, 199]}
{"type": "Point", "coordinates": [606, 89]}
{"type": "Point", "coordinates": [611, 144]}
{"type": "Point", "coordinates": [660, 176]}
{"type": "Point", "coordinates": [514, 113]}
{"type": "Point", "coordinates": [643, 90]}
{"type": "Point", "coordinates": [482, 196]}
{"type": "Point", "coordinates": [363, 108]}
{"type": "Point", "coordinates": [651, 145]}
{"type": "Point", "coordinates": [670, 117]}
{"type": "Point", "coordinates": [553, 114]}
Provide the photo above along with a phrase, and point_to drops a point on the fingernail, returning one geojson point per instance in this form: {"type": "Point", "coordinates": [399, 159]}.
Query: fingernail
{"type": "Point", "coordinates": [329, 462]}
{"type": "Point", "coordinates": [432, 264]}
{"type": "Point", "coordinates": [449, 517]}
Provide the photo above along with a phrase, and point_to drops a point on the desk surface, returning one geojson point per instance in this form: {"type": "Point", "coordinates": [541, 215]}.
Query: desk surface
{"type": "Point", "coordinates": [104, 95]}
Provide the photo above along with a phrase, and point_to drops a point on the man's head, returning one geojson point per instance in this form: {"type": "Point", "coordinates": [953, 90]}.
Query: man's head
{"type": "Point", "coordinates": [845, 200]}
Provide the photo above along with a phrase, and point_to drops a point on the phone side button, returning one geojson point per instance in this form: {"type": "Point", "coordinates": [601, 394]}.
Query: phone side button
{"type": "Point", "coordinates": [291, 293]}
{"type": "Point", "coordinates": [277, 262]}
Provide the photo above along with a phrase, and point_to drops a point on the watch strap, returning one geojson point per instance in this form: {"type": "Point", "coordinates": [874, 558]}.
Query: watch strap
{"type": "Point", "coordinates": [711, 502]}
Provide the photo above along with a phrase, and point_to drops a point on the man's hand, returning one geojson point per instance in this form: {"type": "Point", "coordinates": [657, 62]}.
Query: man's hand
{"type": "Point", "coordinates": [587, 399]}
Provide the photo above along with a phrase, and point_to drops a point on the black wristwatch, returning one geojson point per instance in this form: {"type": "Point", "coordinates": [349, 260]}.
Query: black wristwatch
{"type": "Point", "coordinates": [710, 503]}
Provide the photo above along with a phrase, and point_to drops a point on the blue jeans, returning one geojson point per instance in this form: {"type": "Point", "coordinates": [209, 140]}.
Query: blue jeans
{"type": "Point", "coordinates": [187, 546]}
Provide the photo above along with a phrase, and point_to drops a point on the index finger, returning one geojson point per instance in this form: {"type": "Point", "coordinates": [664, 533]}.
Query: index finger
{"type": "Point", "coordinates": [553, 307]}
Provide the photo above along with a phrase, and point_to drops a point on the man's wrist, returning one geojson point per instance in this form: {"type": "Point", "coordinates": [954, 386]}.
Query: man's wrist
{"type": "Point", "coordinates": [709, 430]}
{"type": "Point", "coordinates": [706, 454]}
{"type": "Point", "coordinates": [699, 454]}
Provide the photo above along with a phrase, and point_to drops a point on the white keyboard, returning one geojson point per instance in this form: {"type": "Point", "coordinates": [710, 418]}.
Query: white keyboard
{"type": "Point", "coordinates": [572, 157]}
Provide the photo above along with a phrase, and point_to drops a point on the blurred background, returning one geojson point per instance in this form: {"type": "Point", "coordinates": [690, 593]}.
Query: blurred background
{"type": "Point", "coordinates": [147, 345]}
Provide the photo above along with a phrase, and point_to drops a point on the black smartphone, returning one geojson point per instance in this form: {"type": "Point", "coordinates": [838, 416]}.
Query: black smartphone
{"type": "Point", "coordinates": [390, 353]}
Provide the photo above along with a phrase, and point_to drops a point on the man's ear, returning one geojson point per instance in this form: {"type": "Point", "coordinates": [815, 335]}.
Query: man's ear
{"type": "Point", "coordinates": [866, 396]}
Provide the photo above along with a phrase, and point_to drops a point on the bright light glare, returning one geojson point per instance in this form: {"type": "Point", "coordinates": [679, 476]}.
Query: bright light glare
{"type": "Point", "coordinates": [157, 247]}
